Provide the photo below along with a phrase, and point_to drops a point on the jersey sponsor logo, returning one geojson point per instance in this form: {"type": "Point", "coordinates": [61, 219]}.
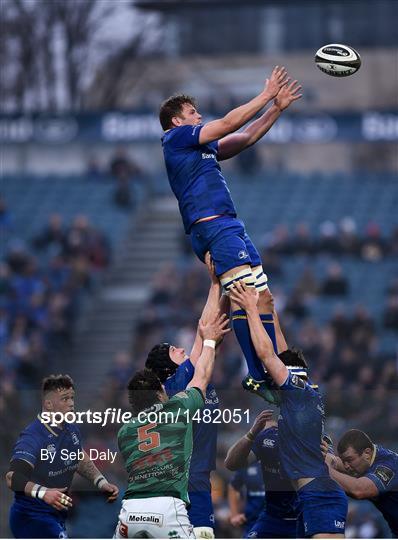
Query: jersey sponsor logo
{"type": "Point", "coordinates": [145, 517]}
{"type": "Point", "coordinates": [205, 155]}
{"type": "Point", "coordinates": [339, 524]}
{"type": "Point", "coordinates": [298, 382]}
{"type": "Point", "coordinates": [182, 395]}
{"type": "Point", "coordinates": [268, 443]}
{"type": "Point", "coordinates": [252, 534]}
{"type": "Point", "coordinates": [242, 254]}
{"type": "Point", "coordinates": [385, 474]}
{"type": "Point", "coordinates": [51, 448]}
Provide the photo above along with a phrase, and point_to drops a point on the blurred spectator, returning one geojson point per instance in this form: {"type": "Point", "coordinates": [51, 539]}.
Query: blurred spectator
{"type": "Point", "coordinates": [373, 246]}
{"type": "Point", "coordinates": [348, 238]}
{"type": "Point", "coordinates": [302, 241]}
{"type": "Point", "coordinates": [390, 315]}
{"type": "Point", "coordinates": [335, 283]}
{"type": "Point", "coordinates": [53, 234]}
{"type": "Point", "coordinates": [122, 165]}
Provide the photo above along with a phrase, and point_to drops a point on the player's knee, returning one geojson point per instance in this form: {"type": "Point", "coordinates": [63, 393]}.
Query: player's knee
{"type": "Point", "coordinates": [204, 532]}
{"type": "Point", "coordinates": [245, 275]}
{"type": "Point", "coordinates": [266, 302]}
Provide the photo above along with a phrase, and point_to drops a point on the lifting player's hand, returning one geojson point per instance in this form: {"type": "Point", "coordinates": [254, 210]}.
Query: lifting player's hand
{"type": "Point", "coordinates": [261, 421]}
{"type": "Point", "coordinates": [56, 498]}
{"type": "Point", "coordinates": [215, 328]}
{"type": "Point", "coordinates": [246, 297]}
{"type": "Point", "coordinates": [211, 267]}
{"type": "Point", "coordinates": [288, 94]}
{"type": "Point", "coordinates": [111, 490]}
{"type": "Point", "coordinates": [275, 82]}
{"type": "Point", "coordinates": [237, 520]}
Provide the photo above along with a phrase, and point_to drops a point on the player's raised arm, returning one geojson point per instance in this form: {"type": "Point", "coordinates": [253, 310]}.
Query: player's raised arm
{"type": "Point", "coordinates": [234, 143]}
{"type": "Point", "coordinates": [211, 332]}
{"type": "Point", "coordinates": [237, 456]}
{"type": "Point", "coordinates": [88, 470]}
{"type": "Point", "coordinates": [247, 299]}
{"type": "Point", "coordinates": [215, 302]}
{"type": "Point", "coordinates": [238, 117]}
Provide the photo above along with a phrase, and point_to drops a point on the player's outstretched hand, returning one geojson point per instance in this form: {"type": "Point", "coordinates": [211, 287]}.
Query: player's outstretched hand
{"type": "Point", "coordinates": [215, 328]}
{"type": "Point", "coordinates": [275, 82]}
{"type": "Point", "coordinates": [211, 267]}
{"type": "Point", "coordinates": [246, 297]}
{"type": "Point", "coordinates": [289, 93]}
{"type": "Point", "coordinates": [57, 498]}
{"type": "Point", "coordinates": [260, 421]}
{"type": "Point", "coordinates": [237, 520]}
{"type": "Point", "coordinates": [111, 490]}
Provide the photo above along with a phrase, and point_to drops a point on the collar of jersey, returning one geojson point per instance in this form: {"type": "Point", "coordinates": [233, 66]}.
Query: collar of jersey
{"type": "Point", "coordinates": [373, 455]}
{"type": "Point", "coordinates": [47, 426]}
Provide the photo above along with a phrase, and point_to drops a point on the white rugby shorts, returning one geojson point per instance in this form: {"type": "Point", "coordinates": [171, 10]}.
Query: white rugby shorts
{"type": "Point", "coordinates": [155, 517]}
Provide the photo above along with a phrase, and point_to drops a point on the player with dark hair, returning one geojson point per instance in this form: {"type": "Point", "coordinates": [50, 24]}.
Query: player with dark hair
{"type": "Point", "coordinates": [157, 446]}
{"type": "Point", "coordinates": [367, 471]}
{"type": "Point", "coordinates": [40, 471]}
{"type": "Point", "coordinates": [175, 370]}
{"type": "Point", "coordinates": [322, 504]}
{"type": "Point", "coordinates": [192, 151]}
{"type": "Point", "coordinates": [278, 516]}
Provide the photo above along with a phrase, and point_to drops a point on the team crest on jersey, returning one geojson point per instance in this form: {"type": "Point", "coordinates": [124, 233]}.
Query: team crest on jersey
{"type": "Point", "coordinates": [385, 474]}
{"type": "Point", "coordinates": [75, 439]}
{"type": "Point", "coordinates": [243, 254]}
{"type": "Point", "coordinates": [298, 382]}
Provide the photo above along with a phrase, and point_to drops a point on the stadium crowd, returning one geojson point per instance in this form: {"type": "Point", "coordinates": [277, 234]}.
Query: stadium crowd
{"type": "Point", "coordinates": [43, 285]}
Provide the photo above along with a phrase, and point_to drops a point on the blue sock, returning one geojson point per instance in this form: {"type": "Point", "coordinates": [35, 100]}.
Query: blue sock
{"type": "Point", "coordinates": [242, 332]}
{"type": "Point", "coordinates": [268, 323]}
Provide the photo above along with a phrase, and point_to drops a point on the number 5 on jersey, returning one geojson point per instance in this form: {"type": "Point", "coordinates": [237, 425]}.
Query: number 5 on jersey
{"type": "Point", "coordinates": [148, 441]}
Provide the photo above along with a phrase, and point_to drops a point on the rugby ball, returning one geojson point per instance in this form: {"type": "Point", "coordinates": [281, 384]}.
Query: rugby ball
{"type": "Point", "coordinates": [338, 60]}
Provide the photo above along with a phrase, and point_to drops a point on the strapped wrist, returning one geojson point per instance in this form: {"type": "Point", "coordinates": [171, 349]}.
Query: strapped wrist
{"type": "Point", "coordinates": [209, 343]}
{"type": "Point", "coordinates": [250, 436]}
{"type": "Point", "coordinates": [99, 481]}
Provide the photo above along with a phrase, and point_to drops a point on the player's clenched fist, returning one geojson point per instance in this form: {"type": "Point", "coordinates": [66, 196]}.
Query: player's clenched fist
{"type": "Point", "coordinates": [260, 421]}
{"type": "Point", "coordinates": [56, 498]}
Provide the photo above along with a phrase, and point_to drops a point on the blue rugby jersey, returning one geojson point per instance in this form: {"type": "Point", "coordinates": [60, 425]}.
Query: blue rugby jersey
{"type": "Point", "coordinates": [384, 474]}
{"type": "Point", "coordinates": [301, 426]}
{"type": "Point", "coordinates": [204, 434]}
{"type": "Point", "coordinates": [39, 436]}
{"type": "Point", "coordinates": [195, 175]}
{"type": "Point", "coordinates": [280, 497]}
{"type": "Point", "coordinates": [250, 479]}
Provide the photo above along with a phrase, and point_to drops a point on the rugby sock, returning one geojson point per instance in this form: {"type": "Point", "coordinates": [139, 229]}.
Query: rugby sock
{"type": "Point", "coordinates": [268, 323]}
{"type": "Point", "coordinates": [242, 332]}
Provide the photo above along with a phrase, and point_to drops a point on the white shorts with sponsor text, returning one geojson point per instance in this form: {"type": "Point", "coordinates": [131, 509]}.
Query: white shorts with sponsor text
{"type": "Point", "coordinates": [155, 517]}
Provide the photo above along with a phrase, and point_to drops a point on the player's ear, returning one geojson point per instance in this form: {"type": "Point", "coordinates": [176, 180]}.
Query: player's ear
{"type": "Point", "coordinates": [176, 121]}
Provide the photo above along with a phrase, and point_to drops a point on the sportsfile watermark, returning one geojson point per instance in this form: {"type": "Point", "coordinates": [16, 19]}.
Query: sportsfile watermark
{"type": "Point", "coordinates": [117, 416]}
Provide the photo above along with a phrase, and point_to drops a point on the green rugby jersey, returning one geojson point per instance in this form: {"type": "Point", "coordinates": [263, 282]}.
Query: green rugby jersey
{"type": "Point", "coordinates": [157, 454]}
